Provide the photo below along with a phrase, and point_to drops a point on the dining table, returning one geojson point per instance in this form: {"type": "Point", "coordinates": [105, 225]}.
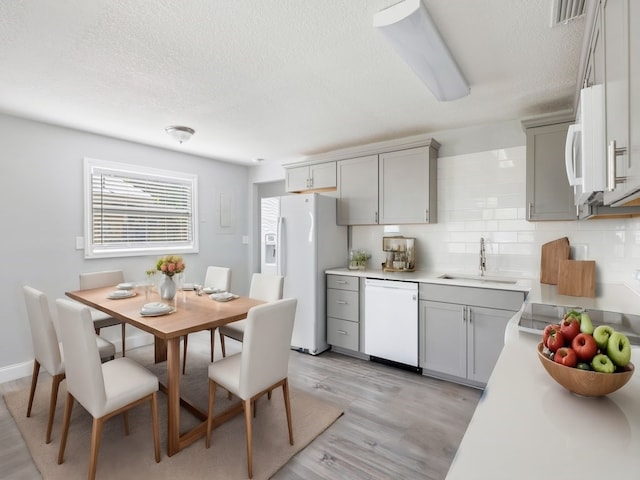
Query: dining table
{"type": "Point", "coordinates": [191, 313]}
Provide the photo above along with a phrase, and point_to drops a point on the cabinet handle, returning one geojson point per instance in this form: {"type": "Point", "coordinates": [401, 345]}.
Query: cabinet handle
{"type": "Point", "coordinates": [341, 282]}
{"type": "Point", "coordinates": [530, 209]}
{"type": "Point", "coordinates": [426, 215]}
{"type": "Point", "coordinates": [470, 315]}
{"type": "Point", "coordinates": [341, 302]}
{"type": "Point", "coordinates": [376, 217]}
{"type": "Point", "coordinates": [341, 332]}
{"type": "Point", "coordinates": [612, 153]}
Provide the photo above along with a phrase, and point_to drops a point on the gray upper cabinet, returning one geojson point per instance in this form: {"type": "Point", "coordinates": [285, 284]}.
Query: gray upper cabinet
{"type": "Point", "coordinates": [548, 193]}
{"type": "Point", "coordinates": [358, 191]}
{"type": "Point", "coordinates": [311, 177]}
{"type": "Point", "coordinates": [407, 186]}
{"type": "Point", "coordinates": [620, 25]}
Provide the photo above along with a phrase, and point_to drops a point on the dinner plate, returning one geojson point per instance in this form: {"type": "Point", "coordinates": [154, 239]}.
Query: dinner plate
{"type": "Point", "coordinates": [209, 290]}
{"type": "Point", "coordinates": [155, 308]}
{"type": "Point", "coordinates": [125, 286]}
{"type": "Point", "coordinates": [187, 286]}
{"type": "Point", "coordinates": [223, 296]}
{"type": "Point", "coordinates": [118, 294]}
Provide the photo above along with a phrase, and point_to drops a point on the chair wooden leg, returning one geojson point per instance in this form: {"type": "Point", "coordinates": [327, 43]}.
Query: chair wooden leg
{"type": "Point", "coordinates": [124, 335]}
{"type": "Point", "coordinates": [184, 354]}
{"type": "Point", "coordinates": [68, 407]}
{"type": "Point", "coordinates": [213, 341]}
{"type": "Point", "coordinates": [96, 435]}
{"type": "Point", "coordinates": [34, 381]}
{"type": "Point", "coordinates": [154, 425]}
{"type": "Point", "coordinates": [53, 400]}
{"type": "Point", "coordinates": [247, 419]}
{"type": "Point", "coordinates": [222, 347]}
{"type": "Point", "coordinates": [212, 399]}
{"type": "Point", "coordinates": [254, 405]}
{"type": "Point", "coordinates": [287, 406]}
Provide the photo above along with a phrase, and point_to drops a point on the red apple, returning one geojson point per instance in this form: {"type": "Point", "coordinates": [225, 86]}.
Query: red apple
{"type": "Point", "coordinates": [585, 347]}
{"type": "Point", "coordinates": [555, 340]}
{"type": "Point", "coordinates": [547, 331]}
{"type": "Point", "coordinates": [570, 327]}
{"type": "Point", "coordinates": [566, 356]}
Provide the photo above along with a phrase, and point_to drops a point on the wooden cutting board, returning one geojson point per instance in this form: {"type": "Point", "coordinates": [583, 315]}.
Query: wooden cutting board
{"type": "Point", "coordinates": [552, 253]}
{"type": "Point", "coordinates": [577, 278]}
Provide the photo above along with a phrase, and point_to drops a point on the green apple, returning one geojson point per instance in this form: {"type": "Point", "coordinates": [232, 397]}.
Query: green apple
{"type": "Point", "coordinates": [603, 364]}
{"type": "Point", "coordinates": [586, 326]}
{"type": "Point", "coordinates": [619, 349]}
{"type": "Point", "coordinates": [601, 335]}
{"type": "Point", "coordinates": [584, 366]}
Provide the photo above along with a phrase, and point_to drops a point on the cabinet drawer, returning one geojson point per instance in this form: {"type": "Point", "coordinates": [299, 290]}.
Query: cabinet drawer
{"type": "Point", "coordinates": [342, 304]}
{"type": "Point", "coordinates": [342, 333]}
{"type": "Point", "coordinates": [343, 282]}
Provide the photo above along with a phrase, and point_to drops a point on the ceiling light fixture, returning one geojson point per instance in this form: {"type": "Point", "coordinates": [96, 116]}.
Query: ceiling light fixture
{"type": "Point", "coordinates": [408, 27]}
{"type": "Point", "coordinates": [180, 133]}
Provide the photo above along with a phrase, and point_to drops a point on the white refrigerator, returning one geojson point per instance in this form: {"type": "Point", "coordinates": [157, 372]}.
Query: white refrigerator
{"type": "Point", "coordinates": [300, 240]}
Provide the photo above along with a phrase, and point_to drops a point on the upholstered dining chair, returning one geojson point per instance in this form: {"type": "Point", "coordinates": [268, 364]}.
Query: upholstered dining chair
{"type": "Point", "coordinates": [104, 390]}
{"type": "Point", "coordinates": [48, 350]}
{"type": "Point", "coordinates": [263, 287]}
{"type": "Point", "coordinates": [260, 367]}
{"type": "Point", "coordinates": [108, 278]}
{"type": "Point", "coordinates": [218, 278]}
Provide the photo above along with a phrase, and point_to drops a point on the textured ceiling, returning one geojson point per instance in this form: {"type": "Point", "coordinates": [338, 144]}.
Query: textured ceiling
{"type": "Point", "coordinates": [275, 79]}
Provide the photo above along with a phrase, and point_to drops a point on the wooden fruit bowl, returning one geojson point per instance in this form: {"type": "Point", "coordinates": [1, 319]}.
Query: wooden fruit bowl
{"type": "Point", "coordinates": [585, 382]}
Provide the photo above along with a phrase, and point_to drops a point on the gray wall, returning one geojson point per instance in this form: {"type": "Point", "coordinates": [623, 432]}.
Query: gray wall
{"type": "Point", "coordinates": [42, 214]}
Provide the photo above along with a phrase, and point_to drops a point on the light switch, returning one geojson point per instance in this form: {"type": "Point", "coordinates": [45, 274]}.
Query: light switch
{"type": "Point", "coordinates": [79, 243]}
{"type": "Point", "coordinates": [245, 239]}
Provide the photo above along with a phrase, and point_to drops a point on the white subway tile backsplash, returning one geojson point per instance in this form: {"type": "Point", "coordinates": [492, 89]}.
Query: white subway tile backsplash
{"type": "Point", "coordinates": [483, 195]}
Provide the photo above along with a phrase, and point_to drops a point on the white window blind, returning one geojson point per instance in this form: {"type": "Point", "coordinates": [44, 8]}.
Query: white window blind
{"type": "Point", "coordinates": [133, 210]}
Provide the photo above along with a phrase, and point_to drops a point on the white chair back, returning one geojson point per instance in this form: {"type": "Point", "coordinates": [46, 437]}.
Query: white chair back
{"type": "Point", "coordinates": [266, 345]}
{"type": "Point", "coordinates": [82, 360]}
{"type": "Point", "coordinates": [46, 348]}
{"type": "Point", "coordinates": [101, 279]}
{"type": "Point", "coordinates": [218, 277]}
{"type": "Point", "coordinates": [266, 287]}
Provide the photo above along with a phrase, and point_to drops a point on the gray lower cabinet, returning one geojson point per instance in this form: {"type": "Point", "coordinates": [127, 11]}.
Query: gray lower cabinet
{"type": "Point", "coordinates": [461, 331]}
{"type": "Point", "coordinates": [343, 311]}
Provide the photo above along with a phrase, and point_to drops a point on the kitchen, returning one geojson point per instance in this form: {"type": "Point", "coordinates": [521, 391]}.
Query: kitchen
{"type": "Point", "coordinates": [481, 183]}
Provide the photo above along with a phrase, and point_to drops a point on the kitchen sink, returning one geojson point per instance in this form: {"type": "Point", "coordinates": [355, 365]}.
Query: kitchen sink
{"type": "Point", "coordinates": [479, 279]}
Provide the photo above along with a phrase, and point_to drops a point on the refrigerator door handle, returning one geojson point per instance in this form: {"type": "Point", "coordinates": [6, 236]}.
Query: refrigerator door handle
{"type": "Point", "coordinates": [281, 245]}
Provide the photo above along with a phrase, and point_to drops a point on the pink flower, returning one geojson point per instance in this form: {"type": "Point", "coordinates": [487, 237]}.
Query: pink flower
{"type": "Point", "coordinates": [171, 267]}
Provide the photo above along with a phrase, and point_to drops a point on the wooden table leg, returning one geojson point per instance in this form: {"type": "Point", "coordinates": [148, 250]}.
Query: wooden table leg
{"type": "Point", "coordinates": [173, 395]}
{"type": "Point", "coordinates": [160, 350]}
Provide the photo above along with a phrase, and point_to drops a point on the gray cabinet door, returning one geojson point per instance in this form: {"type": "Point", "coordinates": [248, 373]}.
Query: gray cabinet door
{"type": "Point", "coordinates": [407, 187]}
{"type": "Point", "coordinates": [548, 193]}
{"type": "Point", "coordinates": [358, 191]}
{"type": "Point", "coordinates": [485, 339]}
{"type": "Point", "coordinates": [443, 338]}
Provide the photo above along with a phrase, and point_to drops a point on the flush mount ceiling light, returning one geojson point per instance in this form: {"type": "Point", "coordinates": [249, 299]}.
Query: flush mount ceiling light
{"type": "Point", "coordinates": [409, 29]}
{"type": "Point", "coordinates": [179, 133]}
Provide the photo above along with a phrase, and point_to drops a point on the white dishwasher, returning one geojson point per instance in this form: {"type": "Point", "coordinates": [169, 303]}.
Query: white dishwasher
{"type": "Point", "coordinates": [391, 320]}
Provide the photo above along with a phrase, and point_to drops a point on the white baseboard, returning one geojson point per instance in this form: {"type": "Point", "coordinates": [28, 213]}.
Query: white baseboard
{"type": "Point", "coordinates": [25, 369]}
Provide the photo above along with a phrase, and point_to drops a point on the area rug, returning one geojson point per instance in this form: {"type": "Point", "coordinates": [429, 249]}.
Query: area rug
{"type": "Point", "coordinates": [121, 457]}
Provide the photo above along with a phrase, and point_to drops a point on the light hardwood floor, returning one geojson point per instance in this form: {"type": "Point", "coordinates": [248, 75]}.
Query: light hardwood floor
{"type": "Point", "coordinates": [396, 424]}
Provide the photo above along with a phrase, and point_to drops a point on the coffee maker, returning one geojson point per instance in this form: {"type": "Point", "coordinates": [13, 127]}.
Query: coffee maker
{"type": "Point", "coordinates": [401, 254]}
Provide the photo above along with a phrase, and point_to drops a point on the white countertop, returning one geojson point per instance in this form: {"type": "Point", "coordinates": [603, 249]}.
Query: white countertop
{"type": "Point", "coordinates": [526, 426]}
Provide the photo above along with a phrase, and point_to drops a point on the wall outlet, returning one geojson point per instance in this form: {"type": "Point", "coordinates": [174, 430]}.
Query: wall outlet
{"type": "Point", "coordinates": [245, 239]}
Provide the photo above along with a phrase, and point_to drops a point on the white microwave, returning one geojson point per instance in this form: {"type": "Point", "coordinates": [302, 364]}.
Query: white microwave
{"type": "Point", "coordinates": [585, 155]}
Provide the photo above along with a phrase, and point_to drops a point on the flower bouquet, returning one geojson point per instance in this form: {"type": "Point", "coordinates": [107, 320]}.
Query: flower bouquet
{"type": "Point", "coordinates": [170, 265]}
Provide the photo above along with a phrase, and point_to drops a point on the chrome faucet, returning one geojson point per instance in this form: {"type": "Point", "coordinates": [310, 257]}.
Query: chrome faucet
{"type": "Point", "coordinates": [483, 258]}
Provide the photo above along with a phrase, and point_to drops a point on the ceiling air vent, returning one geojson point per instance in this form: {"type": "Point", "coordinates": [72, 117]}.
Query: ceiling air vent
{"type": "Point", "coordinates": [563, 11]}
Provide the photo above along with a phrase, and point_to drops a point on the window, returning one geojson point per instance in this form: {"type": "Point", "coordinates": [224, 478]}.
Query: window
{"type": "Point", "coordinates": [134, 210]}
